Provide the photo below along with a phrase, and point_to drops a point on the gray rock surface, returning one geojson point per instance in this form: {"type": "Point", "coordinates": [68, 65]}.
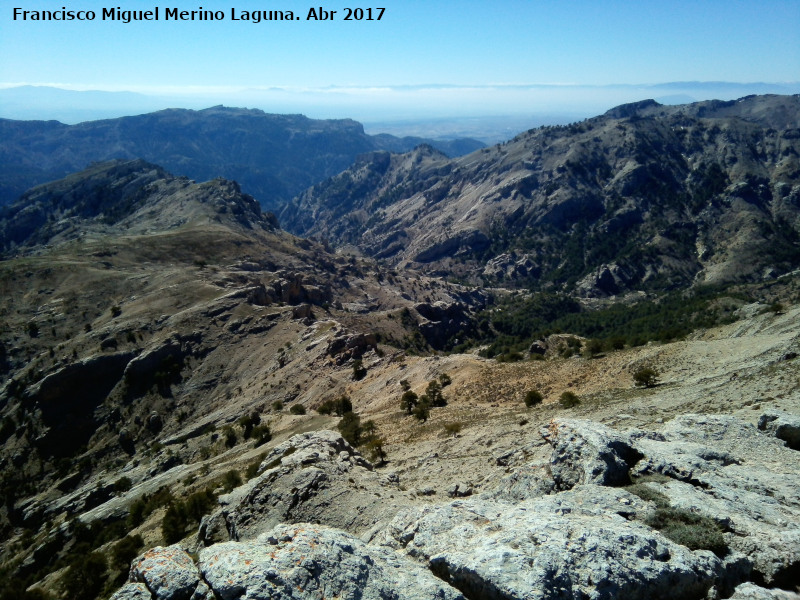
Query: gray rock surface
{"type": "Point", "coordinates": [312, 477]}
{"type": "Point", "coordinates": [169, 573]}
{"type": "Point", "coordinates": [750, 591]}
{"type": "Point", "coordinates": [567, 527]}
{"type": "Point", "coordinates": [783, 426]}
{"type": "Point", "coordinates": [726, 469]}
{"type": "Point", "coordinates": [588, 452]}
{"type": "Point", "coordinates": [306, 561]}
{"type": "Point", "coordinates": [132, 591]}
{"type": "Point", "coordinates": [577, 544]}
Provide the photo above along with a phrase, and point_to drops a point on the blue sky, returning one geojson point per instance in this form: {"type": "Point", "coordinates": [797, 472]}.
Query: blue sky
{"type": "Point", "coordinates": [491, 54]}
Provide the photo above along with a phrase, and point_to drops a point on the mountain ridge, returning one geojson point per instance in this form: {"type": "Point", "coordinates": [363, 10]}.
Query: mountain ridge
{"type": "Point", "coordinates": [644, 195]}
{"type": "Point", "coordinates": [272, 156]}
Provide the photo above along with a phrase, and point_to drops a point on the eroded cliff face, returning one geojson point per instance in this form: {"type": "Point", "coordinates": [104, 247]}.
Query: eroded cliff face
{"type": "Point", "coordinates": [645, 195]}
{"type": "Point", "coordinates": [705, 507]}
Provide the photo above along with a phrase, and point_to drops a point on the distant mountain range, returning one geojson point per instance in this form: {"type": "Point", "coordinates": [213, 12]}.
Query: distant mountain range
{"type": "Point", "coordinates": [645, 196]}
{"type": "Point", "coordinates": [273, 157]}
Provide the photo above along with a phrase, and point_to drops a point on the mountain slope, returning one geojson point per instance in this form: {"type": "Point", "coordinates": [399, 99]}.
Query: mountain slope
{"type": "Point", "coordinates": [274, 157]}
{"type": "Point", "coordinates": [643, 197]}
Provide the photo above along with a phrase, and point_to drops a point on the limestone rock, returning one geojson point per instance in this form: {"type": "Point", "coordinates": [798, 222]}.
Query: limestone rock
{"type": "Point", "coordinates": [312, 477]}
{"type": "Point", "coordinates": [783, 426]}
{"type": "Point", "coordinates": [726, 469]}
{"type": "Point", "coordinates": [576, 544]}
{"type": "Point", "coordinates": [588, 452]}
{"type": "Point", "coordinates": [306, 561]}
{"type": "Point", "coordinates": [132, 591]}
{"type": "Point", "coordinates": [168, 572]}
{"type": "Point", "coordinates": [750, 591]}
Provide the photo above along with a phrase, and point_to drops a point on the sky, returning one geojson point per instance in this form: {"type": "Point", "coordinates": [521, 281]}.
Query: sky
{"type": "Point", "coordinates": [433, 58]}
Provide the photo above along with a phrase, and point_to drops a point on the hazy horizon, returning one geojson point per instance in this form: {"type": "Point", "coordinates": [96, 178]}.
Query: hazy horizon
{"type": "Point", "coordinates": [490, 113]}
{"type": "Point", "coordinates": [419, 60]}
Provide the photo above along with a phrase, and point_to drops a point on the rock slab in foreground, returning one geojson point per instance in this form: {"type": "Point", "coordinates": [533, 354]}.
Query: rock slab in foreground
{"type": "Point", "coordinates": [305, 562]}
{"type": "Point", "coordinates": [577, 544]}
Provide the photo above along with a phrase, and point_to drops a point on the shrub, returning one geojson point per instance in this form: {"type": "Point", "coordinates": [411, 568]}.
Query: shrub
{"type": "Point", "coordinates": [297, 409]}
{"type": "Point", "coordinates": [248, 422]}
{"type": "Point", "coordinates": [85, 577]}
{"type": "Point", "coordinates": [124, 551]}
{"type": "Point", "coordinates": [569, 400]}
{"type": "Point", "coordinates": [173, 525]}
{"type": "Point", "coordinates": [696, 532]}
{"type": "Point", "coordinates": [650, 495]}
{"type": "Point", "coordinates": [453, 428]}
{"type": "Point", "coordinates": [422, 410]}
{"type": "Point", "coordinates": [340, 406]}
{"type": "Point", "coordinates": [123, 484]}
{"type": "Point", "coordinates": [230, 436]}
{"type": "Point", "coordinates": [374, 449]}
{"type": "Point", "coordinates": [261, 434]}
{"type": "Point", "coordinates": [359, 370]}
{"type": "Point", "coordinates": [350, 428]}
{"type": "Point", "coordinates": [408, 401]}
{"type": "Point", "coordinates": [434, 395]}
{"type": "Point", "coordinates": [645, 377]}
{"type": "Point", "coordinates": [445, 379]}
{"type": "Point", "coordinates": [593, 348]}
{"type": "Point", "coordinates": [277, 405]}
{"type": "Point", "coordinates": [199, 503]}
{"type": "Point", "coordinates": [533, 397]}
{"type": "Point", "coordinates": [252, 468]}
{"type": "Point", "coordinates": [231, 480]}
{"type": "Point", "coordinates": [116, 311]}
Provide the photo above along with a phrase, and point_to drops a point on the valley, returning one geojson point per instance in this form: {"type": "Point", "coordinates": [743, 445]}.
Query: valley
{"type": "Point", "coordinates": [419, 379]}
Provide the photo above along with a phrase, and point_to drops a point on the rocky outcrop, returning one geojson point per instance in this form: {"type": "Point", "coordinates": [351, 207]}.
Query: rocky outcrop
{"type": "Point", "coordinates": [313, 477]}
{"type": "Point", "coordinates": [312, 561]}
{"type": "Point", "coordinates": [573, 526]}
{"type": "Point", "coordinates": [169, 574]}
{"type": "Point", "coordinates": [68, 398]}
{"type": "Point", "coordinates": [442, 321]}
{"type": "Point", "coordinates": [578, 544]}
{"type": "Point", "coordinates": [345, 346]}
{"type": "Point", "coordinates": [783, 426]}
{"type": "Point", "coordinates": [587, 452]}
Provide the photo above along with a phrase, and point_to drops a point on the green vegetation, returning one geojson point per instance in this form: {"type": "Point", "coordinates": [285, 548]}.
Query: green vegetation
{"type": "Point", "coordinates": [569, 400]}
{"type": "Point", "coordinates": [645, 377]}
{"type": "Point", "coordinates": [364, 435]}
{"type": "Point", "coordinates": [297, 409]}
{"type": "Point", "coordinates": [533, 398]}
{"type": "Point", "coordinates": [359, 370]}
{"type": "Point", "coordinates": [339, 407]}
{"type": "Point", "coordinates": [350, 428]}
{"type": "Point", "coordinates": [453, 429]}
{"type": "Point", "coordinates": [420, 406]}
{"type": "Point", "coordinates": [408, 401]}
{"type": "Point", "coordinates": [512, 325]}
{"type": "Point", "coordinates": [85, 577]}
{"type": "Point", "coordinates": [695, 531]}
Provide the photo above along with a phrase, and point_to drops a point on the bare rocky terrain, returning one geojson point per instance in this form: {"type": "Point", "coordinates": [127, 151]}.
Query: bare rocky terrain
{"type": "Point", "coordinates": [173, 425]}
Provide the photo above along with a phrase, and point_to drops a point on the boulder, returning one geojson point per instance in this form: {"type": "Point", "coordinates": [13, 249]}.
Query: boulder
{"type": "Point", "coordinates": [169, 573]}
{"type": "Point", "coordinates": [312, 477]}
{"type": "Point", "coordinates": [750, 591]}
{"type": "Point", "coordinates": [728, 470]}
{"type": "Point", "coordinates": [783, 426]}
{"type": "Point", "coordinates": [576, 544]}
{"type": "Point", "coordinates": [588, 452]}
{"type": "Point", "coordinates": [305, 561]}
{"type": "Point", "coordinates": [132, 591]}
